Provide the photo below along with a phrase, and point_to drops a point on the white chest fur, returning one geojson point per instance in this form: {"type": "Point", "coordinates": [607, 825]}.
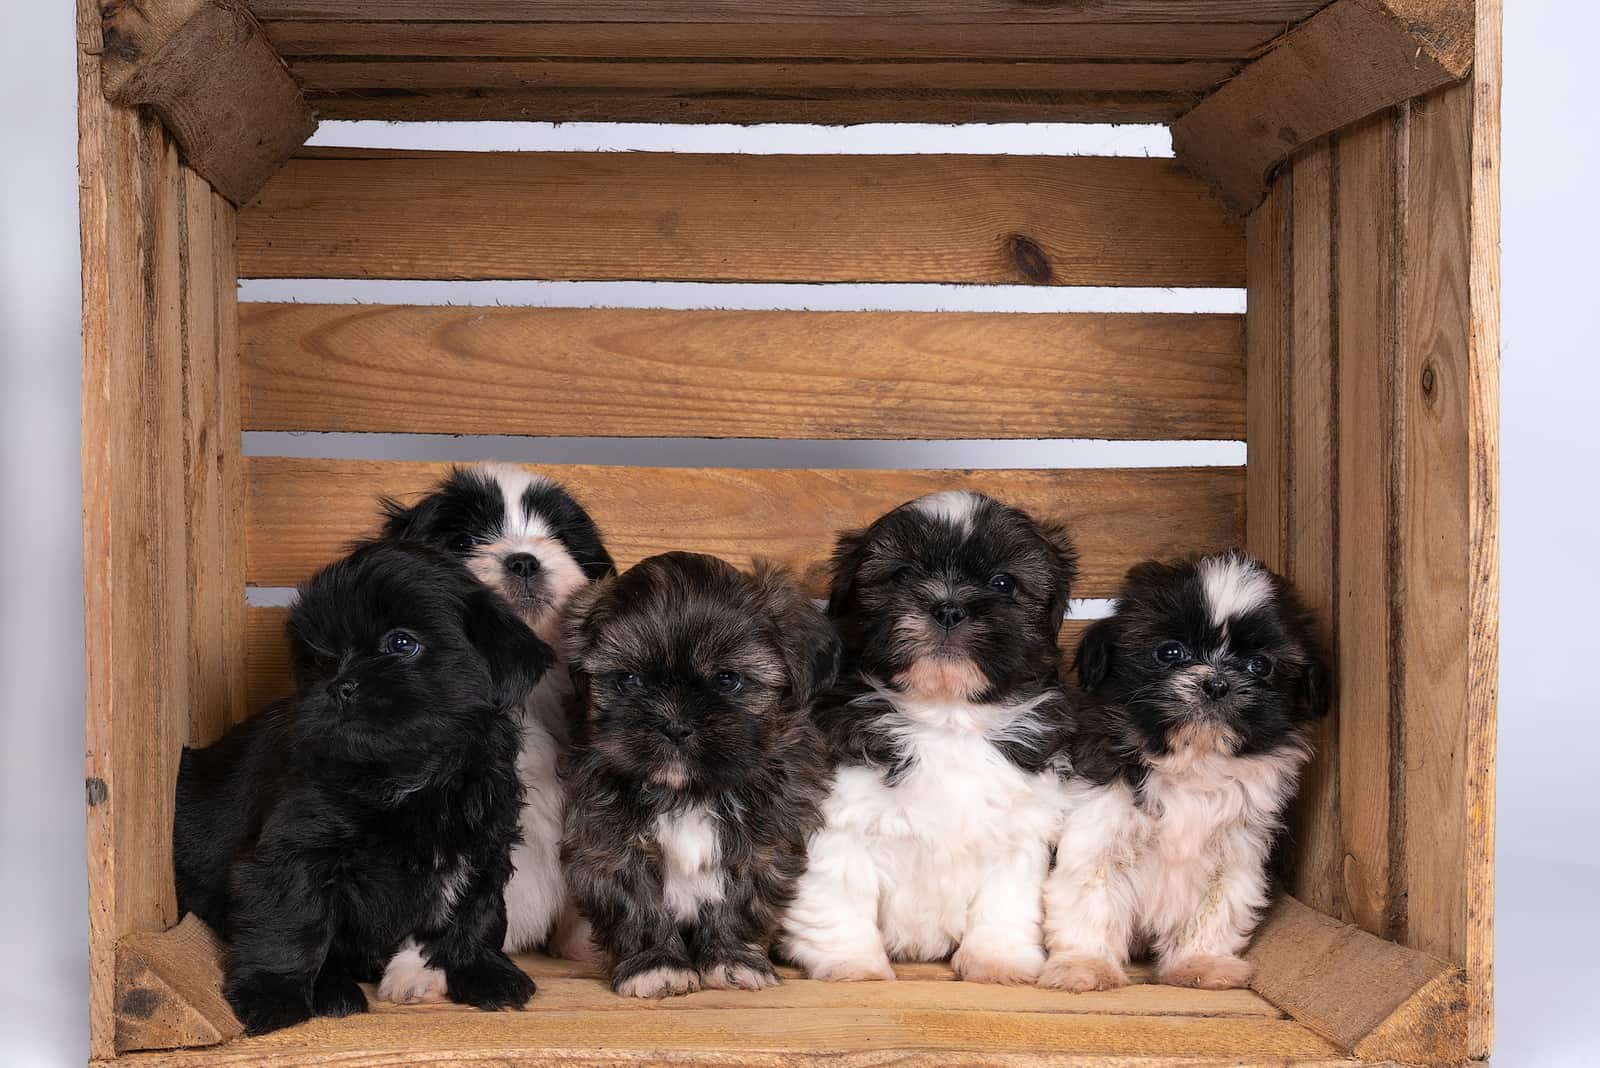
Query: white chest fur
{"type": "Point", "coordinates": [691, 861]}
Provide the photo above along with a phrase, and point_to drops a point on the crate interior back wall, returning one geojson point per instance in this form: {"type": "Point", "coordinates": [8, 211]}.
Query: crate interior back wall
{"type": "Point", "coordinates": [1336, 161]}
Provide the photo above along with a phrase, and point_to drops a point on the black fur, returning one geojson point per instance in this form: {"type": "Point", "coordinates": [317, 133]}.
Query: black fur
{"type": "Point", "coordinates": [907, 563]}
{"type": "Point", "coordinates": [1129, 711]}
{"type": "Point", "coordinates": [319, 833]}
{"type": "Point", "coordinates": [657, 734]}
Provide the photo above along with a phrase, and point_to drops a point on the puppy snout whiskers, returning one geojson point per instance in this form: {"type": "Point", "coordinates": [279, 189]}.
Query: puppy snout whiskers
{"type": "Point", "coordinates": [948, 614]}
{"type": "Point", "coordinates": [1214, 687]}
{"type": "Point", "coordinates": [522, 565]}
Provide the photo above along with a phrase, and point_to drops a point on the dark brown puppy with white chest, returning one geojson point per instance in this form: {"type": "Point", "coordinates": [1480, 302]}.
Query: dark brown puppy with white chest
{"type": "Point", "coordinates": [697, 769]}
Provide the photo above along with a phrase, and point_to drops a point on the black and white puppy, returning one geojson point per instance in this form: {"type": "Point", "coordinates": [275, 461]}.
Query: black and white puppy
{"type": "Point", "coordinates": [945, 803]}
{"type": "Point", "coordinates": [380, 803]}
{"type": "Point", "coordinates": [1191, 735]}
{"type": "Point", "coordinates": [527, 539]}
{"type": "Point", "coordinates": [696, 767]}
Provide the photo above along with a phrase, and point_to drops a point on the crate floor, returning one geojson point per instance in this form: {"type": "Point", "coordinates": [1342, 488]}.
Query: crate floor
{"type": "Point", "coordinates": [924, 1017]}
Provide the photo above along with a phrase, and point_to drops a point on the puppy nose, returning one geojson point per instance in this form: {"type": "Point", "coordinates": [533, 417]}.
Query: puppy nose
{"type": "Point", "coordinates": [343, 692]}
{"type": "Point", "coordinates": [1214, 687]}
{"type": "Point", "coordinates": [948, 614]}
{"type": "Point", "coordinates": [522, 565]}
{"type": "Point", "coordinates": [677, 733]}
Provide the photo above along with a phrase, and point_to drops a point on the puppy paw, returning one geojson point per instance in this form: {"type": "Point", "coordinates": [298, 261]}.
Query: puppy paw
{"type": "Point", "coordinates": [1079, 973]}
{"type": "Point", "coordinates": [1006, 969]}
{"type": "Point", "coordinates": [853, 971]}
{"type": "Point", "coordinates": [658, 983]}
{"type": "Point", "coordinates": [337, 994]}
{"type": "Point", "coordinates": [409, 981]}
{"type": "Point", "coordinates": [738, 975]}
{"type": "Point", "coordinates": [265, 1003]}
{"type": "Point", "coordinates": [1208, 972]}
{"type": "Point", "coordinates": [492, 982]}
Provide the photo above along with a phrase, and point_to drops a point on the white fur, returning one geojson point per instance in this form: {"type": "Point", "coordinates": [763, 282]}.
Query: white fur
{"type": "Point", "coordinates": [691, 861]}
{"type": "Point", "coordinates": [408, 980]}
{"type": "Point", "coordinates": [1183, 871]}
{"type": "Point", "coordinates": [1234, 585]}
{"type": "Point", "coordinates": [952, 506]}
{"type": "Point", "coordinates": [952, 857]}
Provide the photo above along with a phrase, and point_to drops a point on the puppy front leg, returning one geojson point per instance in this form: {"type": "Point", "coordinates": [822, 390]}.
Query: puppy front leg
{"type": "Point", "coordinates": [1090, 905]}
{"type": "Point", "coordinates": [831, 927]}
{"type": "Point", "coordinates": [632, 926]}
{"type": "Point", "coordinates": [1204, 952]}
{"type": "Point", "coordinates": [1001, 944]}
{"type": "Point", "coordinates": [728, 940]}
{"type": "Point", "coordinates": [477, 971]}
{"type": "Point", "coordinates": [279, 929]}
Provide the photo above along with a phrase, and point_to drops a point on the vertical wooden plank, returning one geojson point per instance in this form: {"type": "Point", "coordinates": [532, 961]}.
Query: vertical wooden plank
{"type": "Point", "coordinates": [1313, 518]}
{"type": "Point", "coordinates": [1368, 218]}
{"type": "Point", "coordinates": [1450, 614]}
{"type": "Point", "coordinates": [1267, 316]}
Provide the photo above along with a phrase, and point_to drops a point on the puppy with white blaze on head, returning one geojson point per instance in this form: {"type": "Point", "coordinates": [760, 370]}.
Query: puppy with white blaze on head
{"type": "Point", "coordinates": [1186, 747]}
{"type": "Point", "coordinates": [945, 800]}
{"type": "Point", "coordinates": [527, 539]}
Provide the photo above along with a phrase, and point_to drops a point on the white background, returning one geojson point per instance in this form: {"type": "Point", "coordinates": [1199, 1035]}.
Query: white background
{"type": "Point", "coordinates": [1548, 882]}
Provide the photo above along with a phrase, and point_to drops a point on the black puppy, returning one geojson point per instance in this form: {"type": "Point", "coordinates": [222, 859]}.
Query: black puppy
{"type": "Point", "coordinates": [379, 803]}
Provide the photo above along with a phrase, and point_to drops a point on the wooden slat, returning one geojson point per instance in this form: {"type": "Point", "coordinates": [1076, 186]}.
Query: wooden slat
{"type": "Point", "coordinates": [302, 512]}
{"type": "Point", "coordinates": [1367, 232]}
{"type": "Point", "coordinates": [623, 372]}
{"type": "Point", "coordinates": [1266, 345]}
{"type": "Point", "coordinates": [266, 657]}
{"type": "Point", "coordinates": [1309, 85]}
{"type": "Point", "coordinates": [1381, 1001]}
{"type": "Point", "coordinates": [761, 11]}
{"type": "Point", "coordinates": [208, 70]}
{"type": "Point", "coordinates": [169, 989]}
{"type": "Point", "coordinates": [1313, 519]}
{"type": "Point", "coordinates": [1001, 219]}
{"type": "Point", "coordinates": [880, 40]}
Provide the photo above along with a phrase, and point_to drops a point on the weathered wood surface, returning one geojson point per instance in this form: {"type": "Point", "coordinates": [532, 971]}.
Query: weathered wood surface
{"type": "Point", "coordinates": [1381, 1001]}
{"type": "Point", "coordinates": [642, 215]}
{"type": "Point", "coordinates": [169, 989]}
{"type": "Point", "coordinates": [1351, 60]}
{"type": "Point", "coordinates": [163, 619]}
{"type": "Point", "coordinates": [847, 12]}
{"type": "Point", "coordinates": [765, 374]}
{"type": "Point", "coordinates": [210, 73]}
{"type": "Point", "coordinates": [302, 512]}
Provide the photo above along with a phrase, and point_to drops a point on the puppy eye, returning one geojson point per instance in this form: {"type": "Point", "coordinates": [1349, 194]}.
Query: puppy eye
{"type": "Point", "coordinates": [627, 682]}
{"type": "Point", "coordinates": [463, 544]}
{"type": "Point", "coordinates": [1171, 653]}
{"type": "Point", "coordinates": [1002, 583]}
{"type": "Point", "coordinates": [727, 682]}
{"type": "Point", "coordinates": [1259, 666]}
{"type": "Point", "coordinates": [903, 575]}
{"type": "Point", "coordinates": [401, 643]}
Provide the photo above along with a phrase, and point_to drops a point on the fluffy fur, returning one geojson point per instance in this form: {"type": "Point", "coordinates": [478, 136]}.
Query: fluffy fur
{"type": "Point", "coordinates": [1188, 745]}
{"type": "Point", "coordinates": [379, 803]}
{"type": "Point", "coordinates": [696, 767]}
{"type": "Point", "coordinates": [525, 538]}
{"type": "Point", "coordinates": [944, 804]}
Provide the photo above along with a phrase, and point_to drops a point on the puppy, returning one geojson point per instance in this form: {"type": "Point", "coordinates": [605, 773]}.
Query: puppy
{"type": "Point", "coordinates": [379, 803]}
{"type": "Point", "coordinates": [1199, 692]}
{"type": "Point", "coordinates": [524, 537]}
{"type": "Point", "coordinates": [697, 767]}
{"type": "Point", "coordinates": [944, 806]}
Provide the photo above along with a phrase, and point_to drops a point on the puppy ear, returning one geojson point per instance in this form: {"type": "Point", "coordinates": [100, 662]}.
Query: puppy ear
{"type": "Point", "coordinates": [810, 644]}
{"type": "Point", "coordinates": [1063, 570]}
{"type": "Point", "coordinates": [580, 622]}
{"type": "Point", "coordinates": [849, 553]}
{"type": "Point", "coordinates": [517, 658]}
{"type": "Point", "coordinates": [402, 523]}
{"type": "Point", "coordinates": [1097, 649]}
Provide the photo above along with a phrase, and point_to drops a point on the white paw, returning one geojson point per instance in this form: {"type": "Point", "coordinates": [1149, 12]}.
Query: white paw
{"type": "Point", "coordinates": [987, 966]}
{"type": "Point", "coordinates": [853, 971]}
{"type": "Point", "coordinates": [1208, 971]}
{"type": "Point", "coordinates": [660, 983]}
{"type": "Point", "coordinates": [409, 981]}
{"type": "Point", "coordinates": [1080, 973]}
{"type": "Point", "coordinates": [738, 977]}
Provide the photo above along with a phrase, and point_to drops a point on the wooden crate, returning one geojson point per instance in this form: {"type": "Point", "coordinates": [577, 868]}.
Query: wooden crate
{"type": "Point", "coordinates": [1337, 159]}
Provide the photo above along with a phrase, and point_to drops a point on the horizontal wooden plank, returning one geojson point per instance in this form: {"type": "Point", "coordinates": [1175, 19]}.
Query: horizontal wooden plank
{"type": "Point", "coordinates": [764, 374]}
{"type": "Point", "coordinates": [883, 40]}
{"type": "Point", "coordinates": [624, 215]}
{"type": "Point", "coordinates": [268, 679]}
{"type": "Point", "coordinates": [300, 513]}
{"type": "Point", "coordinates": [763, 11]}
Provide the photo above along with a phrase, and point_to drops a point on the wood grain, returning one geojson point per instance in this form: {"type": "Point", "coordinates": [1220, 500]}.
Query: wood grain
{"type": "Point", "coordinates": [208, 70]}
{"type": "Point", "coordinates": [1267, 359]}
{"type": "Point", "coordinates": [302, 512]}
{"type": "Point", "coordinates": [1379, 1000]}
{"type": "Point", "coordinates": [804, 11]}
{"type": "Point", "coordinates": [642, 373]}
{"type": "Point", "coordinates": [1307, 86]}
{"type": "Point", "coordinates": [1368, 223]}
{"type": "Point", "coordinates": [621, 215]}
{"type": "Point", "coordinates": [169, 989]}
